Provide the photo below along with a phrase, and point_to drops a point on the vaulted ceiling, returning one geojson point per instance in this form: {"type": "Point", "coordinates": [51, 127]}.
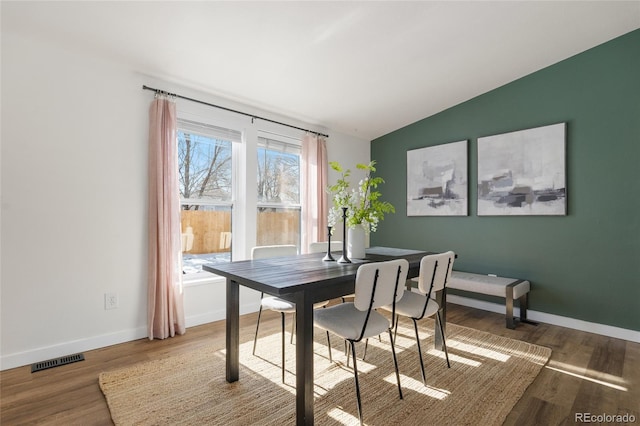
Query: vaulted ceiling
{"type": "Point", "coordinates": [361, 68]}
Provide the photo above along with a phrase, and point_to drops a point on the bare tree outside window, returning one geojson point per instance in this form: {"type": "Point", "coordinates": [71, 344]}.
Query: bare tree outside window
{"type": "Point", "coordinates": [205, 179]}
{"type": "Point", "coordinates": [278, 177]}
{"type": "Point", "coordinates": [278, 186]}
{"type": "Point", "coordinates": [204, 167]}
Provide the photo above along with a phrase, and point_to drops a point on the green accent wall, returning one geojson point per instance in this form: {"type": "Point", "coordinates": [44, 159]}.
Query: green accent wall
{"type": "Point", "coordinates": [585, 265]}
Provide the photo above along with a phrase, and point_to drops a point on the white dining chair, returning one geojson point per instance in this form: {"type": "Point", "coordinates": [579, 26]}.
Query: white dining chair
{"type": "Point", "coordinates": [377, 284]}
{"type": "Point", "coordinates": [321, 246]}
{"type": "Point", "coordinates": [274, 303]}
{"type": "Point", "coordinates": [435, 270]}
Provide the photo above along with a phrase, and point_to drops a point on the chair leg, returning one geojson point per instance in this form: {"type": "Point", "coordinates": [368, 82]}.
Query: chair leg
{"type": "Point", "coordinates": [366, 343]}
{"type": "Point", "coordinates": [255, 338]}
{"type": "Point", "coordinates": [395, 362]}
{"type": "Point", "coordinates": [293, 328]}
{"type": "Point", "coordinates": [329, 346]}
{"type": "Point", "coordinates": [444, 341]}
{"type": "Point", "coordinates": [395, 332]}
{"type": "Point", "coordinates": [282, 316]}
{"type": "Point", "coordinates": [355, 376]}
{"type": "Point", "coordinates": [415, 326]}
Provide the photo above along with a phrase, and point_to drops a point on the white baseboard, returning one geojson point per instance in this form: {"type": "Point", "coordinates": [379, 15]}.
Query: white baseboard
{"type": "Point", "coordinates": [576, 324]}
{"type": "Point", "coordinates": [68, 348]}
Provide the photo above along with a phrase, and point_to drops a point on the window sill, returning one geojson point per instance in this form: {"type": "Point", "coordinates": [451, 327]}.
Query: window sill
{"type": "Point", "coordinates": [201, 278]}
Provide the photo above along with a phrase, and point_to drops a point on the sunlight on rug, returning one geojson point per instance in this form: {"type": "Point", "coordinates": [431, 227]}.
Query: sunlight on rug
{"type": "Point", "coordinates": [488, 375]}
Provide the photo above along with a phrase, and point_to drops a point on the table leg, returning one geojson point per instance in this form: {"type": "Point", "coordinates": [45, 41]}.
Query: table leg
{"type": "Point", "coordinates": [233, 331]}
{"type": "Point", "coordinates": [304, 360]}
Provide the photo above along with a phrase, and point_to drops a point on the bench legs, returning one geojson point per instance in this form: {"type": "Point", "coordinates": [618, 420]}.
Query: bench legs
{"type": "Point", "coordinates": [511, 321]}
{"type": "Point", "coordinates": [523, 302]}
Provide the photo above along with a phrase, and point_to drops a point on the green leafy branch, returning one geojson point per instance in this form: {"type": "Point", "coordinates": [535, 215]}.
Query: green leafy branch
{"type": "Point", "coordinates": [363, 203]}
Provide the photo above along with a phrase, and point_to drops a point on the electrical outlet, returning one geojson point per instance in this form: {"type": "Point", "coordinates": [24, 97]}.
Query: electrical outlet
{"type": "Point", "coordinates": [110, 300]}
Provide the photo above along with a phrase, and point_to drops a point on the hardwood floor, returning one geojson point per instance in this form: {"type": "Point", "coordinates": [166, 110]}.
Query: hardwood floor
{"type": "Point", "coordinates": [587, 373]}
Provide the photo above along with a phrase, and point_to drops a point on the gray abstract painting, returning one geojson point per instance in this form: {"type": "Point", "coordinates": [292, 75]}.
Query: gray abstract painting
{"type": "Point", "coordinates": [523, 172]}
{"type": "Point", "coordinates": [437, 180]}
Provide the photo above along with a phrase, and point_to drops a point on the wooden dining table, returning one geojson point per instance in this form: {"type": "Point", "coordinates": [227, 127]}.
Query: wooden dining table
{"type": "Point", "coordinates": [303, 279]}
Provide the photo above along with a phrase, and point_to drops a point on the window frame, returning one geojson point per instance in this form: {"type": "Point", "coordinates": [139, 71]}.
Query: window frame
{"type": "Point", "coordinates": [244, 175]}
{"type": "Point", "coordinates": [291, 145]}
{"type": "Point", "coordinates": [201, 276]}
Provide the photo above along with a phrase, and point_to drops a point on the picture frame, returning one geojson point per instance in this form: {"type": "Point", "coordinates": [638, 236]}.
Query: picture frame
{"type": "Point", "coordinates": [523, 173]}
{"type": "Point", "coordinates": [437, 180]}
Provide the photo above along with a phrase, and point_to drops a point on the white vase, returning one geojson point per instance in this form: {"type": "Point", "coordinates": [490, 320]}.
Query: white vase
{"type": "Point", "coordinates": [356, 243]}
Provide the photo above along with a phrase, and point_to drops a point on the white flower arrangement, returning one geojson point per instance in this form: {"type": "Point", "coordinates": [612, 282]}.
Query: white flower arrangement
{"type": "Point", "coordinates": [364, 206]}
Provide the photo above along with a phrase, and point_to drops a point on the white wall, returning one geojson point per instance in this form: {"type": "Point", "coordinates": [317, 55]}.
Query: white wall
{"type": "Point", "coordinates": [74, 197]}
{"type": "Point", "coordinates": [348, 151]}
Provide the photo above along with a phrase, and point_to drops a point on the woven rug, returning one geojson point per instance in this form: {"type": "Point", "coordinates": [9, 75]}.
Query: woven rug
{"type": "Point", "coordinates": [488, 375]}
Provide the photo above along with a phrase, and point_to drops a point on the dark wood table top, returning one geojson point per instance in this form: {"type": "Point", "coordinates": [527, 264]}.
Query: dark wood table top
{"type": "Point", "coordinates": [285, 276]}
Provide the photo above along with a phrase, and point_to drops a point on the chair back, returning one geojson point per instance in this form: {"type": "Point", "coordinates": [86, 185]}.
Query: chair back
{"type": "Point", "coordinates": [321, 246]}
{"type": "Point", "coordinates": [264, 252]}
{"type": "Point", "coordinates": [387, 277]}
{"type": "Point", "coordinates": [435, 271]}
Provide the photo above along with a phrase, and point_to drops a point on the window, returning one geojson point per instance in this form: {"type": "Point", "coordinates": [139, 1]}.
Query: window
{"type": "Point", "coordinates": [278, 186]}
{"type": "Point", "coordinates": [206, 193]}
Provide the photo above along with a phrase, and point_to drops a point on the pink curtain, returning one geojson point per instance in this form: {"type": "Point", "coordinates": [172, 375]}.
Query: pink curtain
{"type": "Point", "coordinates": [314, 182]}
{"type": "Point", "coordinates": [165, 306]}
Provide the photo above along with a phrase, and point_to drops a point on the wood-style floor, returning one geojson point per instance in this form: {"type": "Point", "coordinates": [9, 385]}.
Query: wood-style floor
{"type": "Point", "coordinates": [587, 373]}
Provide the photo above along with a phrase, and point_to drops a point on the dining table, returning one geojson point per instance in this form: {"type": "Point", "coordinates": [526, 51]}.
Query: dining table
{"type": "Point", "coordinates": [304, 280]}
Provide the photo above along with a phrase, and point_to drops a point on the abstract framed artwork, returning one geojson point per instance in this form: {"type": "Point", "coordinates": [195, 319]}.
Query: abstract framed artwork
{"type": "Point", "coordinates": [523, 173]}
{"type": "Point", "coordinates": [437, 180]}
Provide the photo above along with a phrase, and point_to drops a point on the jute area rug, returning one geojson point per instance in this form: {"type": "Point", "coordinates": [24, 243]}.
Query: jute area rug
{"type": "Point", "coordinates": [488, 375]}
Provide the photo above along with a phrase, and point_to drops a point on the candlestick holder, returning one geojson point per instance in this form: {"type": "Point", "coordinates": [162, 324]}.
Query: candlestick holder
{"type": "Point", "coordinates": [328, 257]}
{"type": "Point", "coordinates": [344, 258]}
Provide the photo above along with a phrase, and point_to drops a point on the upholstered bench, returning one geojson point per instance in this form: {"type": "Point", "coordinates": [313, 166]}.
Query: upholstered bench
{"type": "Point", "coordinates": [509, 288]}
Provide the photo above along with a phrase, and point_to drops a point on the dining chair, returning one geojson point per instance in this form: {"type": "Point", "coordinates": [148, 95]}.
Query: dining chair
{"type": "Point", "coordinates": [377, 284]}
{"type": "Point", "coordinates": [435, 270]}
{"type": "Point", "coordinates": [274, 303]}
{"type": "Point", "coordinates": [321, 246]}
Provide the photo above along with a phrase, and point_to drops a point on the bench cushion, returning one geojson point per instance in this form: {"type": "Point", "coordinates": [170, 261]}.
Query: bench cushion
{"type": "Point", "coordinates": [485, 284]}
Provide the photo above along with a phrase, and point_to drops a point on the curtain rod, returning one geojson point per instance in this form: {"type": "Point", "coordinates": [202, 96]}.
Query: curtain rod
{"type": "Point", "coordinates": [231, 110]}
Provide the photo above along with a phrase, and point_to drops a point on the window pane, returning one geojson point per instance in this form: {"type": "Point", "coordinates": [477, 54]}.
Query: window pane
{"type": "Point", "coordinates": [206, 235]}
{"type": "Point", "coordinates": [278, 226]}
{"type": "Point", "coordinates": [278, 173]}
{"type": "Point", "coordinates": [204, 167]}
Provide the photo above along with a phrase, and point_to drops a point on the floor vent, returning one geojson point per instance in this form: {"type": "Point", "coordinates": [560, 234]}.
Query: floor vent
{"type": "Point", "coordinates": [39, 366]}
